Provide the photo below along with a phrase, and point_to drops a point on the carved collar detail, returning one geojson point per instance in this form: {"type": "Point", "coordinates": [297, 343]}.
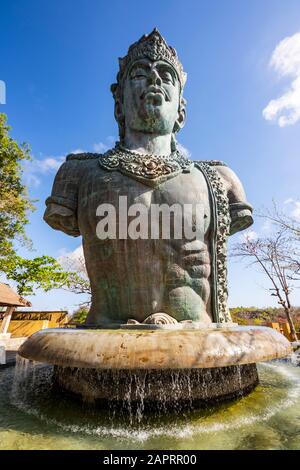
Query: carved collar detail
{"type": "Point", "coordinates": [148, 169]}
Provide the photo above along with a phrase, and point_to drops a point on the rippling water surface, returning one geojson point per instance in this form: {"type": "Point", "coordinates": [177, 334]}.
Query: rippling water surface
{"type": "Point", "coordinates": [32, 416]}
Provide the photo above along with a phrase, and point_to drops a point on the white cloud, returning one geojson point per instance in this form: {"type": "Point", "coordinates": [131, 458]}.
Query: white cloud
{"type": "Point", "coordinates": [285, 60]}
{"type": "Point", "coordinates": [75, 254]}
{"type": "Point", "coordinates": [267, 226]}
{"type": "Point", "coordinates": [249, 235]}
{"type": "Point", "coordinates": [295, 213]}
{"type": "Point", "coordinates": [78, 151]}
{"type": "Point", "coordinates": [185, 152]}
{"type": "Point", "coordinates": [295, 209]}
{"type": "Point", "coordinates": [100, 147]}
{"type": "Point", "coordinates": [31, 179]}
{"type": "Point", "coordinates": [49, 164]}
{"type": "Point", "coordinates": [33, 168]}
{"type": "Point", "coordinates": [111, 139]}
{"type": "Point", "coordinates": [73, 260]}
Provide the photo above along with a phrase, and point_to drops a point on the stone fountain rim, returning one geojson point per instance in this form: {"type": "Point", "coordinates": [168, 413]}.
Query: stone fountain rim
{"type": "Point", "coordinates": [155, 349]}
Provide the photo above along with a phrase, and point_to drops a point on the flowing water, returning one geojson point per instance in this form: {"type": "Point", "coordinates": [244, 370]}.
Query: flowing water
{"type": "Point", "coordinates": [33, 416]}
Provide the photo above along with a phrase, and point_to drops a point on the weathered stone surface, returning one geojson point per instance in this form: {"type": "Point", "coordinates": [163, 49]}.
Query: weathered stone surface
{"type": "Point", "coordinates": [156, 349]}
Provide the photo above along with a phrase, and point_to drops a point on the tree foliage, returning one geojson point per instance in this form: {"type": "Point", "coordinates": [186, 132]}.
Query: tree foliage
{"type": "Point", "coordinates": [261, 316]}
{"type": "Point", "coordinates": [79, 316]}
{"type": "Point", "coordinates": [14, 200]}
{"type": "Point", "coordinates": [41, 272]}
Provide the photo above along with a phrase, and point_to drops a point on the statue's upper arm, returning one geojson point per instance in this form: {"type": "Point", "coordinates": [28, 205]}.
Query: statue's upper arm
{"type": "Point", "coordinates": [61, 211]}
{"type": "Point", "coordinates": [240, 209]}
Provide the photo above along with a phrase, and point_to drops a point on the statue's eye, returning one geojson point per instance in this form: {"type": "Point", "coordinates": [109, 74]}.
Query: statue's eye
{"type": "Point", "coordinates": [138, 74]}
{"type": "Point", "coordinates": [167, 76]}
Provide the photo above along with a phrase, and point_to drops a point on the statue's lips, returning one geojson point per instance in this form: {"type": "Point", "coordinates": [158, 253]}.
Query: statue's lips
{"type": "Point", "coordinates": [154, 93]}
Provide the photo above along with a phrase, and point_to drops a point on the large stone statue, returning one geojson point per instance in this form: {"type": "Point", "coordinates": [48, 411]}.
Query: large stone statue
{"type": "Point", "coordinates": [154, 226]}
{"type": "Point", "coordinates": [150, 278]}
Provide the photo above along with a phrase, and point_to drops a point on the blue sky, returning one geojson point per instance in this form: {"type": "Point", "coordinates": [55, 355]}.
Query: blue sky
{"type": "Point", "coordinates": [59, 58]}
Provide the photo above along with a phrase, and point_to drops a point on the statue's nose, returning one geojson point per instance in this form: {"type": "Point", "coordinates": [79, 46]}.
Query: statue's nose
{"type": "Point", "coordinates": [154, 78]}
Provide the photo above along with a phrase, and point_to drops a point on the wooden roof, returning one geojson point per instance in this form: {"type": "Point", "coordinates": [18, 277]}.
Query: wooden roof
{"type": "Point", "coordinates": [10, 298]}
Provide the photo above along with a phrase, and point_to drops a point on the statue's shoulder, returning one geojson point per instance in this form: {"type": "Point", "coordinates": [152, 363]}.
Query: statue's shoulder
{"type": "Point", "coordinates": [240, 209]}
{"type": "Point", "coordinates": [73, 166]}
{"type": "Point", "coordinates": [215, 163]}
{"type": "Point", "coordinates": [210, 163]}
{"type": "Point", "coordinates": [82, 156]}
{"type": "Point", "coordinates": [222, 169]}
{"type": "Point", "coordinates": [230, 180]}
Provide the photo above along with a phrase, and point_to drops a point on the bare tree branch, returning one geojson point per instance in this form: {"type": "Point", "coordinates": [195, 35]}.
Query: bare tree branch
{"type": "Point", "coordinates": [78, 281]}
{"type": "Point", "coordinates": [272, 254]}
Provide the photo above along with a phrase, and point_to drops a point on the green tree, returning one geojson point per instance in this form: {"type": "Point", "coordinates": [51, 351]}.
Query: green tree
{"type": "Point", "coordinates": [79, 316]}
{"type": "Point", "coordinates": [14, 201]}
{"type": "Point", "coordinates": [41, 272]}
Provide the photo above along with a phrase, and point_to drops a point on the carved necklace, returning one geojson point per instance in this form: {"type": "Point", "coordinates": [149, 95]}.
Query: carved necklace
{"type": "Point", "coordinates": [146, 168]}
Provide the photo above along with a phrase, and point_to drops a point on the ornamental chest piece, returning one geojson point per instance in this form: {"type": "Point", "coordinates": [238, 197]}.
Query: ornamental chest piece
{"type": "Point", "coordinates": [151, 170]}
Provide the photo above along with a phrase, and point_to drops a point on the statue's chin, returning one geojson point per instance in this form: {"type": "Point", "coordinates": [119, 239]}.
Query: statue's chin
{"type": "Point", "coordinates": [153, 126]}
{"type": "Point", "coordinates": [153, 109]}
{"type": "Point", "coordinates": [153, 119]}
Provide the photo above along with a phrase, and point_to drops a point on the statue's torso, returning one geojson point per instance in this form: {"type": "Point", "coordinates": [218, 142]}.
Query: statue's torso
{"type": "Point", "coordinates": [135, 278]}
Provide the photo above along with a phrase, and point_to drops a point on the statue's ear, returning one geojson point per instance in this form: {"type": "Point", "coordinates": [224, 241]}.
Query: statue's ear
{"type": "Point", "coordinates": [120, 118]}
{"type": "Point", "coordinates": [180, 121]}
{"type": "Point", "coordinates": [119, 115]}
{"type": "Point", "coordinates": [116, 91]}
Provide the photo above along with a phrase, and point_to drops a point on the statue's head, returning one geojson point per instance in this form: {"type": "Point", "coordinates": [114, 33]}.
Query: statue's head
{"type": "Point", "coordinates": [149, 90]}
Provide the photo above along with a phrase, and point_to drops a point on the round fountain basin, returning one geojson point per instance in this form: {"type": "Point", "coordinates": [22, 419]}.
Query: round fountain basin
{"type": "Point", "coordinates": [155, 349]}
{"type": "Point", "coordinates": [165, 367]}
{"type": "Point", "coordinates": [157, 389]}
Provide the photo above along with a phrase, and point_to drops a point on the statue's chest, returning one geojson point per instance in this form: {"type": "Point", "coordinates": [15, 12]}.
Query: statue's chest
{"type": "Point", "coordinates": [187, 191]}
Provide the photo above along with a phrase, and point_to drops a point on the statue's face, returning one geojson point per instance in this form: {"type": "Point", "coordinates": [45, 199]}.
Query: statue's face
{"type": "Point", "coordinates": [151, 97]}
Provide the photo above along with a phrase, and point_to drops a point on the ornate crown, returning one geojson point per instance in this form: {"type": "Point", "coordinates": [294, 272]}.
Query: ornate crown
{"type": "Point", "coordinates": [154, 47]}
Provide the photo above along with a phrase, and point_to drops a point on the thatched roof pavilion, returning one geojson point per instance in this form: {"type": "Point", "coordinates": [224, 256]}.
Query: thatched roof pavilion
{"type": "Point", "coordinates": [10, 299]}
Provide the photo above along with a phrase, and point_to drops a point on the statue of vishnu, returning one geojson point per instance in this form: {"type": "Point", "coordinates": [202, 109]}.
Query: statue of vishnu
{"type": "Point", "coordinates": [151, 279]}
